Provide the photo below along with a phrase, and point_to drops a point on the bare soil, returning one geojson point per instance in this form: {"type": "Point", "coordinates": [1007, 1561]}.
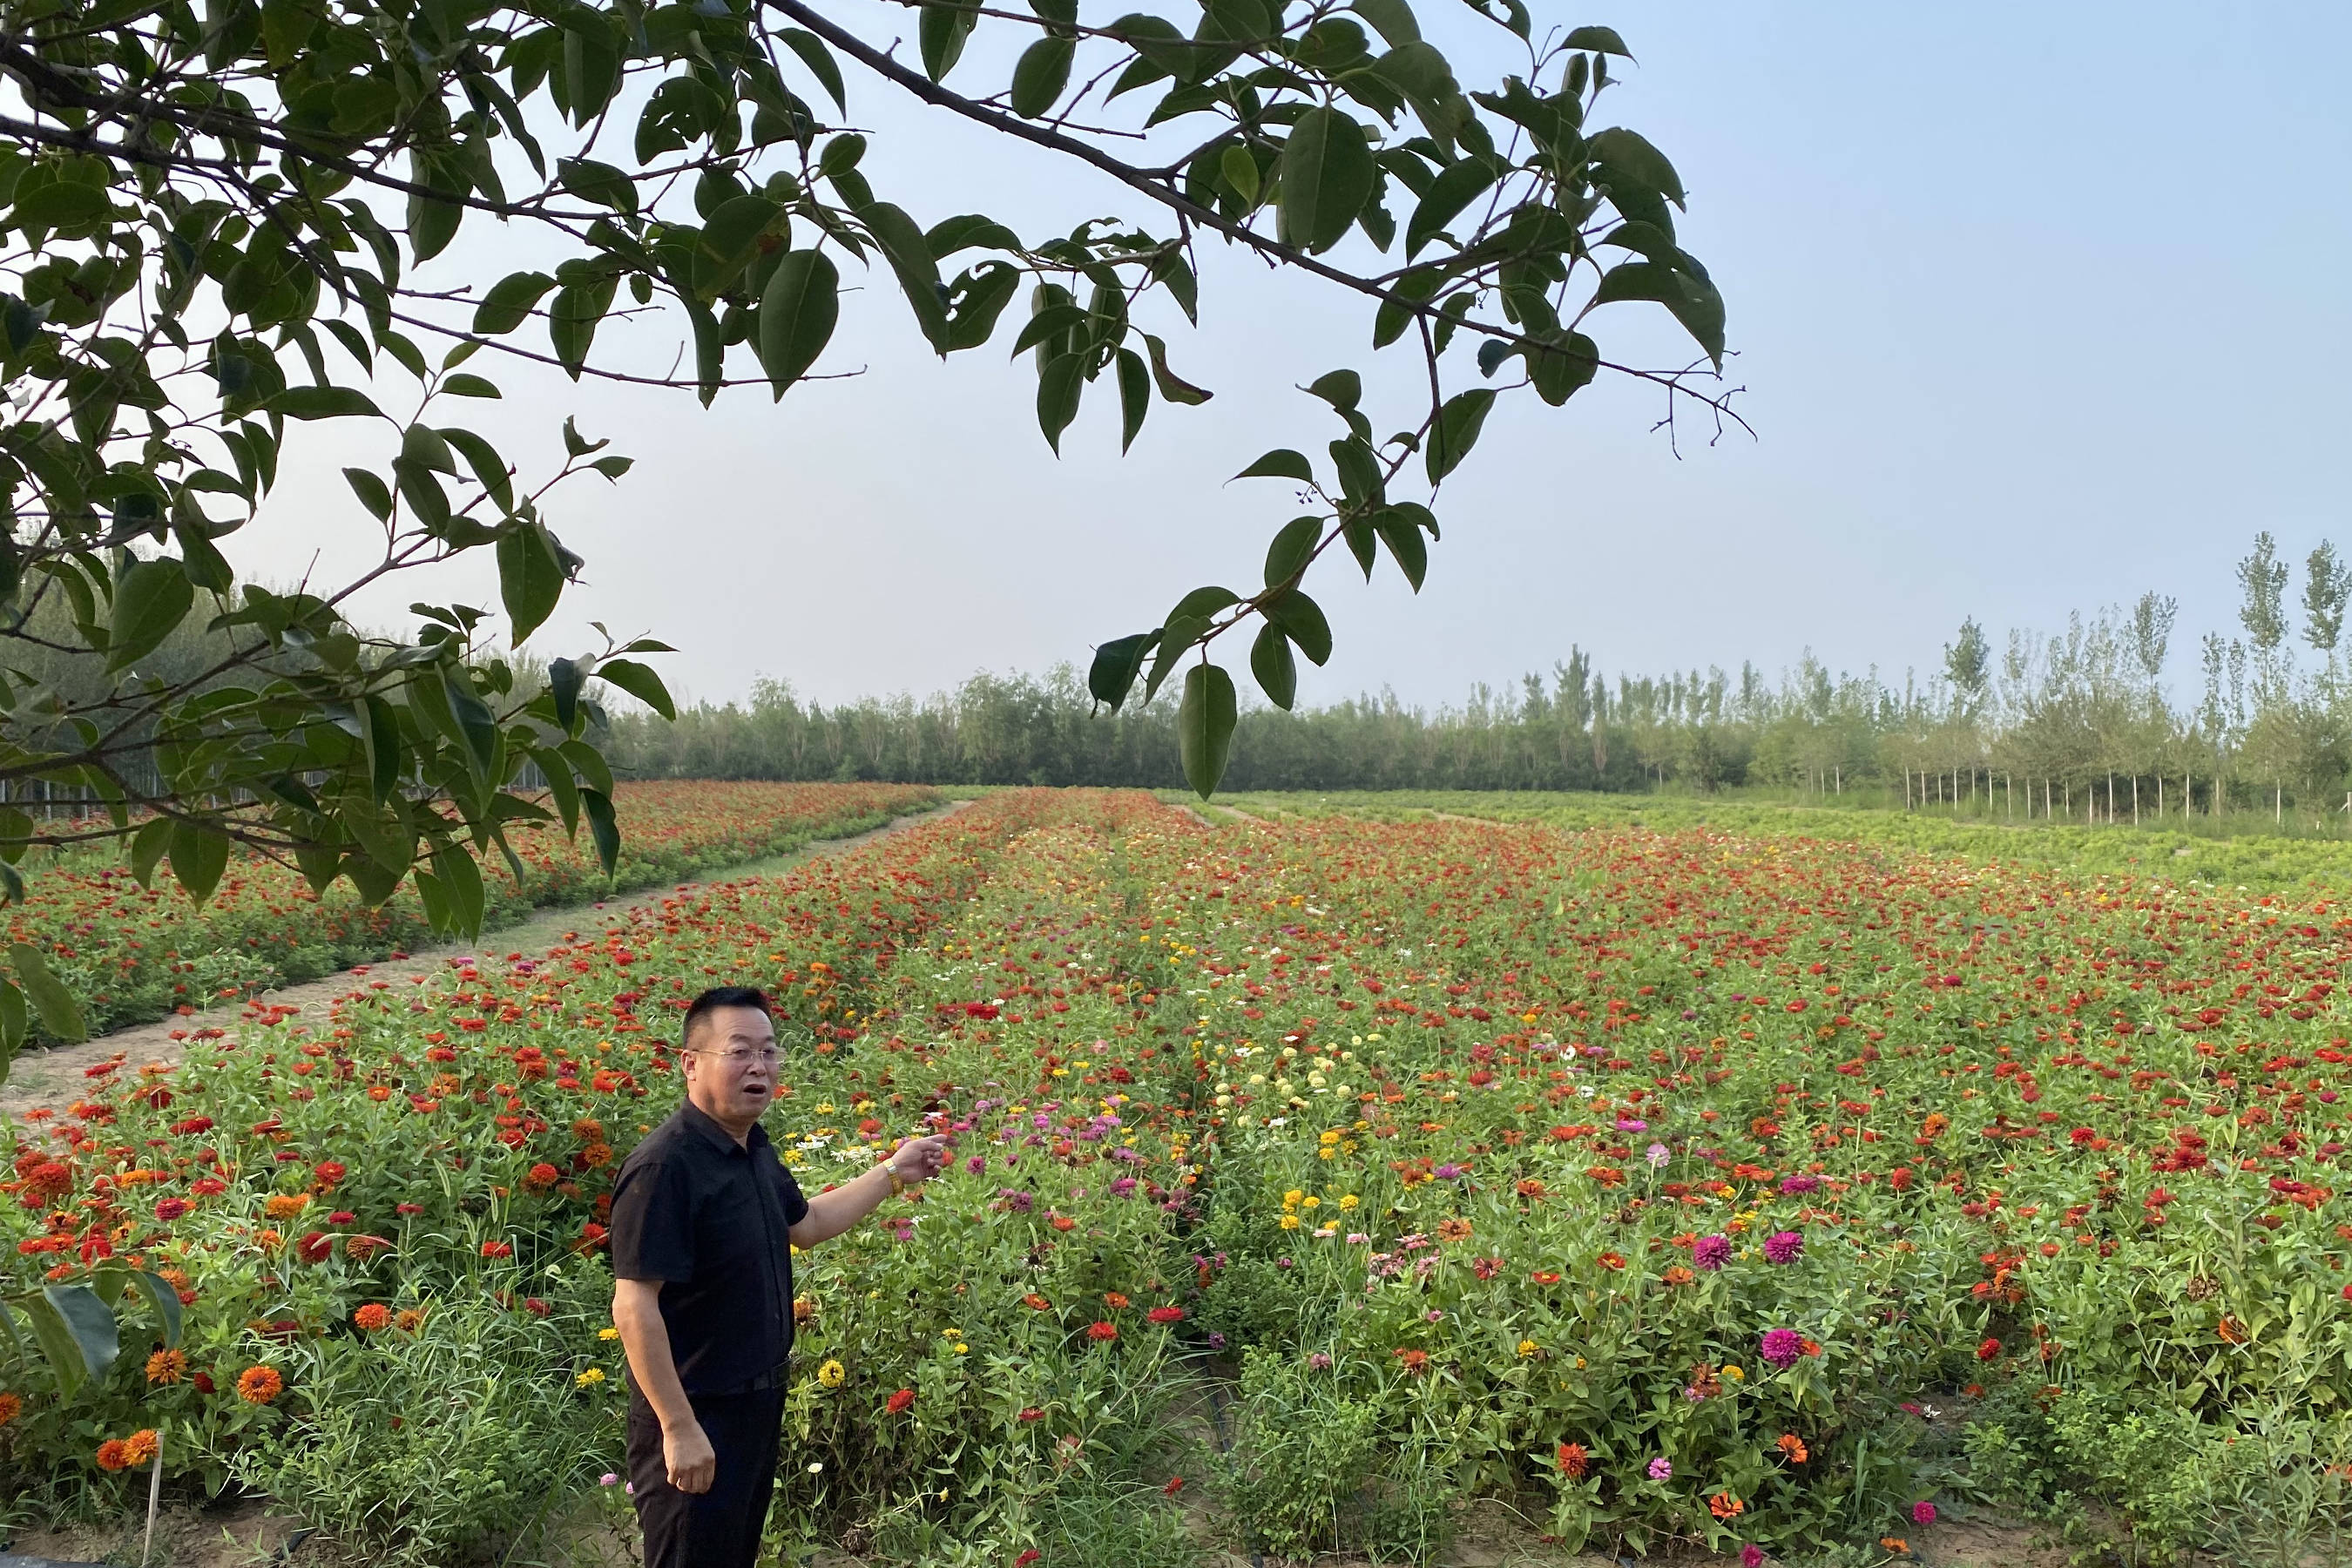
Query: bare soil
{"type": "Point", "coordinates": [54, 1076]}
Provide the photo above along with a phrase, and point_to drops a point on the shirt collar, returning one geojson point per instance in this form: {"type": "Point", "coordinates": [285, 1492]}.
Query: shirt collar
{"type": "Point", "coordinates": [716, 1135]}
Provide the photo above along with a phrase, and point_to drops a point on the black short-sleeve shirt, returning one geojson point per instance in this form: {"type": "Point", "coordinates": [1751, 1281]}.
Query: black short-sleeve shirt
{"type": "Point", "coordinates": [710, 1219]}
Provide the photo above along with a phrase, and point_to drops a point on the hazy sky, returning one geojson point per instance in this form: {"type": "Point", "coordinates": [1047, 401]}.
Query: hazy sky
{"type": "Point", "coordinates": [2036, 306]}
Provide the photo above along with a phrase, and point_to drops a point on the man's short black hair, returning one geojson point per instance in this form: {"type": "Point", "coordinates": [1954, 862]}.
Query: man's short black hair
{"type": "Point", "coordinates": [720, 996]}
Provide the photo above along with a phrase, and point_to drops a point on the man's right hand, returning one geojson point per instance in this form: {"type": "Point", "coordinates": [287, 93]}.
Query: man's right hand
{"type": "Point", "coordinates": [688, 1454]}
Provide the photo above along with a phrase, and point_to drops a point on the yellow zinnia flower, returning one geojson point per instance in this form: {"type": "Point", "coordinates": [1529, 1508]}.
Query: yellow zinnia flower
{"type": "Point", "coordinates": [832, 1375]}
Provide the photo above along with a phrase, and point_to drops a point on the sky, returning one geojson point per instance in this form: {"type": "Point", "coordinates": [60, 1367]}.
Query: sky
{"type": "Point", "coordinates": [2032, 308]}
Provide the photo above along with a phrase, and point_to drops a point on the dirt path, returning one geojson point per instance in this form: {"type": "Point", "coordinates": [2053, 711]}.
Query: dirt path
{"type": "Point", "coordinates": [54, 1076]}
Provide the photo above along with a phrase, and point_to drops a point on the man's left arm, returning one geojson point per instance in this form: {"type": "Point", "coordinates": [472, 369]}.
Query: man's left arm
{"type": "Point", "coordinates": [915, 1161]}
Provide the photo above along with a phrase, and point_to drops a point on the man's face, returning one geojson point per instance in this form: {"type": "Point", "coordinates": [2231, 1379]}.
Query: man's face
{"type": "Point", "coordinates": [730, 1065]}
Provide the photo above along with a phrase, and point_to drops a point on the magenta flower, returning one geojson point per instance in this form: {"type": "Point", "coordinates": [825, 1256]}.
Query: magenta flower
{"type": "Point", "coordinates": [1711, 1252]}
{"type": "Point", "coordinates": [1751, 1556]}
{"type": "Point", "coordinates": [1632, 1124]}
{"type": "Point", "coordinates": [1781, 1347]}
{"type": "Point", "coordinates": [1923, 1513]}
{"type": "Point", "coordinates": [1795, 1185]}
{"type": "Point", "coordinates": [1783, 1246]}
{"type": "Point", "coordinates": [1660, 1467]}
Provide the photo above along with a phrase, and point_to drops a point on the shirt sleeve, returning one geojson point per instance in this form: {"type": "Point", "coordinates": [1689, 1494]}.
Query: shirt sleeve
{"type": "Point", "coordinates": [795, 1205]}
{"type": "Point", "coordinates": [653, 1224]}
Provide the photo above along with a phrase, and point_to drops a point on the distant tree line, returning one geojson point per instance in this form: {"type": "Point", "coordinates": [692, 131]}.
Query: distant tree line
{"type": "Point", "coordinates": [2080, 725]}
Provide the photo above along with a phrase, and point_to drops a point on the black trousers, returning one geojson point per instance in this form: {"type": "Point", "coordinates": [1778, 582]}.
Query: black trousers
{"type": "Point", "coordinates": [719, 1528]}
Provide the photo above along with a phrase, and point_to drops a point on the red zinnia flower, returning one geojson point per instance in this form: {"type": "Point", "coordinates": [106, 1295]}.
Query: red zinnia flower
{"type": "Point", "coordinates": [1166, 1314]}
{"type": "Point", "coordinates": [374, 1318]}
{"type": "Point", "coordinates": [1031, 1413]}
{"type": "Point", "coordinates": [316, 1246]}
{"type": "Point", "coordinates": [1102, 1334]}
{"type": "Point", "coordinates": [902, 1401]}
{"type": "Point", "coordinates": [1988, 1350]}
{"type": "Point", "coordinates": [169, 1209]}
{"type": "Point", "coordinates": [1572, 1460]}
{"type": "Point", "coordinates": [498, 1249]}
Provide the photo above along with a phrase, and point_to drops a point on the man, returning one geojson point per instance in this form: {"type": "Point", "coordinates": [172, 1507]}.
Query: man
{"type": "Point", "coordinates": [703, 1212]}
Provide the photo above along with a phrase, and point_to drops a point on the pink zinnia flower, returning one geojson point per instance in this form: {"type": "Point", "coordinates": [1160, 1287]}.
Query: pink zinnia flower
{"type": "Point", "coordinates": [1781, 1347]}
{"type": "Point", "coordinates": [1783, 1246]}
{"type": "Point", "coordinates": [1711, 1252]}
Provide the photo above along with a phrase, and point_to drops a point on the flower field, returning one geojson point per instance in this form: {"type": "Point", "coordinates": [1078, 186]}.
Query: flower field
{"type": "Point", "coordinates": [1763, 1194]}
{"type": "Point", "coordinates": [131, 953]}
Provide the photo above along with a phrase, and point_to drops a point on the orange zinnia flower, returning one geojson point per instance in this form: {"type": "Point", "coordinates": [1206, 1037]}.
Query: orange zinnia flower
{"type": "Point", "coordinates": [1453, 1229]}
{"type": "Point", "coordinates": [259, 1384]}
{"type": "Point", "coordinates": [140, 1448]}
{"type": "Point", "coordinates": [166, 1367]}
{"type": "Point", "coordinates": [373, 1318]}
{"type": "Point", "coordinates": [1794, 1446]}
{"type": "Point", "coordinates": [1612, 1260]}
{"type": "Point", "coordinates": [1723, 1505]}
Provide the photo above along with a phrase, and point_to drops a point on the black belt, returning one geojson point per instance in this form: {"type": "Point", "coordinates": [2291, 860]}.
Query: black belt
{"type": "Point", "coordinates": [775, 1377]}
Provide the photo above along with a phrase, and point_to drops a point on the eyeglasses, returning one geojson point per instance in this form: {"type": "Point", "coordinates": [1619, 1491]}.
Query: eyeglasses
{"type": "Point", "coordinates": [736, 1057]}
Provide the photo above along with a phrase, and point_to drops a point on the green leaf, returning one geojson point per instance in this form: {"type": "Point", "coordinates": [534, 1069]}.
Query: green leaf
{"type": "Point", "coordinates": [150, 599]}
{"type": "Point", "coordinates": [1134, 395]}
{"type": "Point", "coordinates": [1040, 74]}
{"type": "Point", "coordinates": [1052, 322]}
{"type": "Point", "coordinates": [509, 304]}
{"type": "Point", "coordinates": [1282, 463]}
{"type": "Point", "coordinates": [1403, 536]}
{"type": "Point", "coordinates": [599, 183]}
{"type": "Point", "coordinates": [1599, 40]}
{"type": "Point", "coordinates": [1060, 384]}
{"type": "Point", "coordinates": [1458, 423]}
{"type": "Point", "coordinates": [1240, 170]}
{"type": "Point", "coordinates": [164, 1297]}
{"type": "Point", "coordinates": [321, 402]}
{"type": "Point", "coordinates": [1559, 370]}
{"type": "Point", "coordinates": [460, 877]}
{"type": "Point", "coordinates": [820, 62]}
{"type": "Point", "coordinates": [573, 320]}
{"type": "Point", "coordinates": [797, 313]}
{"type": "Point", "coordinates": [1172, 387]}
{"type": "Point", "coordinates": [199, 857]}
{"type": "Point", "coordinates": [1456, 186]}
{"type": "Point", "coordinates": [531, 578]}
{"type": "Point", "coordinates": [147, 847]}
{"type": "Point", "coordinates": [77, 1333]}
{"type": "Point", "coordinates": [1301, 618]}
{"type": "Point", "coordinates": [1205, 727]}
{"type": "Point", "coordinates": [1392, 19]}
{"type": "Point", "coordinates": [910, 255]}
{"type": "Point", "coordinates": [464, 383]}
{"type": "Point", "coordinates": [602, 828]}
{"type": "Point", "coordinates": [640, 682]}
{"type": "Point", "coordinates": [945, 24]}
{"type": "Point", "coordinates": [372, 492]}
{"type": "Point", "coordinates": [1116, 665]}
{"type": "Point", "coordinates": [1276, 671]}
{"type": "Point", "coordinates": [15, 1025]}
{"type": "Point", "coordinates": [1625, 155]}
{"type": "Point", "coordinates": [1292, 549]}
{"type": "Point", "coordinates": [1342, 389]}
{"type": "Point", "coordinates": [60, 1014]}
{"type": "Point", "coordinates": [1327, 176]}
{"type": "Point", "coordinates": [563, 683]}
